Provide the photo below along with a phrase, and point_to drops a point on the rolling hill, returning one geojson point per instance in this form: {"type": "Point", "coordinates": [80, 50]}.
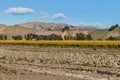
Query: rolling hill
{"type": "Point", "coordinates": [41, 28]}
{"type": "Point", "coordinates": [102, 34]}
{"type": "Point", "coordinates": [44, 26]}
{"type": "Point", "coordinates": [98, 33]}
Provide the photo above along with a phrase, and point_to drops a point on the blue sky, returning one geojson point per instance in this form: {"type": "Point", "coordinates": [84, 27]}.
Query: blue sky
{"type": "Point", "coordinates": [103, 13]}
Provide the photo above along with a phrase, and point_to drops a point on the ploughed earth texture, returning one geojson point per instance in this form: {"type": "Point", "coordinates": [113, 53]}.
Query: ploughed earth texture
{"type": "Point", "coordinates": [22, 62]}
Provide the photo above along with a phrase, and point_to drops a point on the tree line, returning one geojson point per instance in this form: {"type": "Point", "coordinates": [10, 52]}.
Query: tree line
{"type": "Point", "coordinates": [79, 36]}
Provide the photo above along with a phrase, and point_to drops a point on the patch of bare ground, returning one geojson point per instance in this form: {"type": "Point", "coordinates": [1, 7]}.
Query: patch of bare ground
{"type": "Point", "coordinates": [18, 73]}
{"type": "Point", "coordinates": [50, 63]}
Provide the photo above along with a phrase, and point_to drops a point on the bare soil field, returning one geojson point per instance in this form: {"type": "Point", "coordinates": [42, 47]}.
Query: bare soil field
{"type": "Point", "coordinates": [20, 62]}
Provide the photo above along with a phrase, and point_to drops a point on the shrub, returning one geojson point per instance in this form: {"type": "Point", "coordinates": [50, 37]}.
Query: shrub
{"type": "Point", "coordinates": [80, 36]}
{"type": "Point", "coordinates": [18, 37]}
{"type": "Point", "coordinates": [65, 28]}
{"type": "Point", "coordinates": [55, 37]}
{"type": "Point", "coordinates": [3, 37]}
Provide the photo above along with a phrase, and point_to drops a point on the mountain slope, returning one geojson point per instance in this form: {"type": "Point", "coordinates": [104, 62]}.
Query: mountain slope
{"type": "Point", "coordinates": [114, 33]}
{"type": "Point", "coordinates": [103, 34]}
{"type": "Point", "coordinates": [98, 33]}
{"type": "Point", "coordinates": [19, 30]}
{"type": "Point", "coordinates": [2, 28]}
{"type": "Point", "coordinates": [43, 26]}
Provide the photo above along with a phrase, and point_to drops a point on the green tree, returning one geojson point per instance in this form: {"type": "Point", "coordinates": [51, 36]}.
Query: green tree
{"type": "Point", "coordinates": [65, 28]}
{"type": "Point", "coordinates": [113, 27]}
{"type": "Point", "coordinates": [88, 37]}
{"type": "Point", "coordinates": [3, 37]}
{"type": "Point", "coordinates": [80, 36]}
{"type": "Point", "coordinates": [18, 37]}
{"type": "Point", "coordinates": [54, 37]}
{"type": "Point", "coordinates": [112, 38]}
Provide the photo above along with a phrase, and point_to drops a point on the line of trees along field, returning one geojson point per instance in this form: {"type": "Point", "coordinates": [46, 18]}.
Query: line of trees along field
{"type": "Point", "coordinates": [79, 36]}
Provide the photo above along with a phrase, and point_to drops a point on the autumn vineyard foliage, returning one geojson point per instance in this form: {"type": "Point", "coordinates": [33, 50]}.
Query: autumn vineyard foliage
{"type": "Point", "coordinates": [65, 43]}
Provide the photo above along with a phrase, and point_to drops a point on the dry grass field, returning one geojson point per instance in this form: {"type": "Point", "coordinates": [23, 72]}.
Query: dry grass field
{"type": "Point", "coordinates": [35, 62]}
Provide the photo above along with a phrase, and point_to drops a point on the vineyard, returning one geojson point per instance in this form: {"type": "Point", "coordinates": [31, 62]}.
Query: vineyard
{"type": "Point", "coordinates": [66, 43]}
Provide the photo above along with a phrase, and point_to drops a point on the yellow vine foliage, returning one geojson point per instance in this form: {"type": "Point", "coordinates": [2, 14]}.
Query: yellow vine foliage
{"type": "Point", "coordinates": [65, 43]}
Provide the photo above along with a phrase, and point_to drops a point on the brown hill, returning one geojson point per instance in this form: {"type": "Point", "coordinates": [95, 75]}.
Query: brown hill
{"type": "Point", "coordinates": [43, 25]}
{"type": "Point", "coordinates": [41, 28]}
{"type": "Point", "coordinates": [19, 30]}
{"type": "Point", "coordinates": [114, 33]}
{"type": "Point", "coordinates": [2, 28]}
